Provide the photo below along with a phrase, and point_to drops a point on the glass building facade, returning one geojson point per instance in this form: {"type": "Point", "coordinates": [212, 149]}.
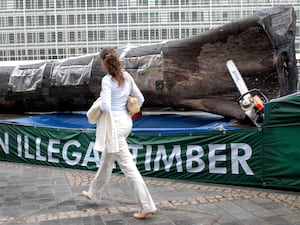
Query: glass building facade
{"type": "Point", "coordinates": [55, 29]}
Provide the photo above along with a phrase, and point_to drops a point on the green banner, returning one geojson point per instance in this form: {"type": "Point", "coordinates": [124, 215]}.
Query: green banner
{"type": "Point", "coordinates": [229, 157]}
{"type": "Point", "coordinates": [263, 157]}
{"type": "Point", "coordinates": [48, 146]}
{"type": "Point", "coordinates": [282, 157]}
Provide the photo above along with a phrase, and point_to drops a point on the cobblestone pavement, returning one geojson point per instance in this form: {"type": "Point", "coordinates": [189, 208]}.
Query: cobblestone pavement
{"type": "Point", "coordinates": [38, 195]}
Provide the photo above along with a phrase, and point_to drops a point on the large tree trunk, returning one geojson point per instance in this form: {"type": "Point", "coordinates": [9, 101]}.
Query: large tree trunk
{"type": "Point", "coordinates": [188, 73]}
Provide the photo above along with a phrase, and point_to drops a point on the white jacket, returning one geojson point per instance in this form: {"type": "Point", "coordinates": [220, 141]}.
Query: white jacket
{"type": "Point", "coordinates": [106, 133]}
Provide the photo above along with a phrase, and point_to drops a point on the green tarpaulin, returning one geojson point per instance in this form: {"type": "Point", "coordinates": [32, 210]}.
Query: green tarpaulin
{"type": "Point", "coordinates": [281, 142]}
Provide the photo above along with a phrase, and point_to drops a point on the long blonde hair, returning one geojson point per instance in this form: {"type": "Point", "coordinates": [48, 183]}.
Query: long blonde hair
{"type": "Point", "coordinates": [112, 64]}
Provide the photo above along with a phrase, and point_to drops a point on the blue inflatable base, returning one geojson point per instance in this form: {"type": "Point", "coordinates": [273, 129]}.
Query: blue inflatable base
{"type": "Point", "coordinates": [149, 123]}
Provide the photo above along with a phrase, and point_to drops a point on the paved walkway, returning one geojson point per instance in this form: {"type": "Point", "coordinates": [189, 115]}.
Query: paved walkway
{"type": "Point", "coordinates": [37, 195]}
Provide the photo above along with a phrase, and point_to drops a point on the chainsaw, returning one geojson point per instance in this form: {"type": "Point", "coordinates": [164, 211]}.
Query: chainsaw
{"type": "Point", "coordinates": [251, 102]}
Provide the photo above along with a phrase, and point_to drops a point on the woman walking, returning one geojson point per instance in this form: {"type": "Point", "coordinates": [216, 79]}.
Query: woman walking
{"type": "Point", "coordinates": [116, 86]}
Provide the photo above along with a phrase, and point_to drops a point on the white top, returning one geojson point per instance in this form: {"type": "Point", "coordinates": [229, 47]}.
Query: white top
{"type": "Point", "coordinates": [114, 97]}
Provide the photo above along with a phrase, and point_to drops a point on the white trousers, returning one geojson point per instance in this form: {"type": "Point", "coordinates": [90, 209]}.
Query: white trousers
{"type": "Point", "coordinates": [125, 161]}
